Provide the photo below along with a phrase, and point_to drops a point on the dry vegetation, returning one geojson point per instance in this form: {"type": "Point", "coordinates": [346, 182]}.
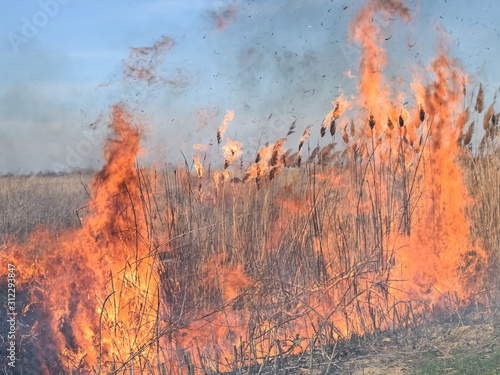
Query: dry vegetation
{"type": "Point", "coordinates": [483, 180]}
{"type": "Point", "coordinates": [391, 219]}
{"type": "Point", "coordinates": [286, 263]}
{"type": "Point", "coordinates": [50, 200]}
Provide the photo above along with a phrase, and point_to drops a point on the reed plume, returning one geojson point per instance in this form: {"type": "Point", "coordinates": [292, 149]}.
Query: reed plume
{"type": "Point", "coordinates": [480, 99]}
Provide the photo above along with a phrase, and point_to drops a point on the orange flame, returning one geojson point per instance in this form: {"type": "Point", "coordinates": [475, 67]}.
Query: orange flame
{"type": "Point", "coordinates": [232, 151]}
{"type": "Point", "coordinates": [200, 147]}
{"type": "Point", "coordinates": [304, 136]}
{"type": "Point", "coordinates": [269, 162]}
{"type": "Point", "coordinates": [339, 108]}
{"type": "Point", "coordinates": [197, 165]}
{"type": "Point", "coordinates": [374, 93]}
{"type": "Point", "coordinates": [79, 269]}
{"type": "Point", "coordinates": [220, 178]}
{"type": "Point", "coordinates": [220, 133]}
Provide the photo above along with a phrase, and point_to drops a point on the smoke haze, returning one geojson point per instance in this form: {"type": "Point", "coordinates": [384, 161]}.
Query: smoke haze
{"type": "Point", "coordinates": [271, 62]}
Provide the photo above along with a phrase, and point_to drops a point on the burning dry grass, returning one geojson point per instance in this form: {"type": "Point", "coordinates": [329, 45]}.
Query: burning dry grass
{"type": "Point", "coordinates": [182, 271]}
{"type": "Point", "coordinates": [248, 272]}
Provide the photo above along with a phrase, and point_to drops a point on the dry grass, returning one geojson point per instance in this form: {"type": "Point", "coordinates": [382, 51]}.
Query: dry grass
{"type": "Point", "coordinates": [30, 201]}
{"type": "Point", "coordinates": [483, 180]}
{"type": "Point", "coordinates": [279, 244]}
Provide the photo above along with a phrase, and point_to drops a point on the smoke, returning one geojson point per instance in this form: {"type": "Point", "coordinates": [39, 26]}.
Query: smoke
{"type": "Point", "coordinates": [277, 64]}
{"type": "Point", "coordinates": [143, 61]}
{"type": "Point", "coordinates": [271, 62]}
{"type": "Point", "coordinates": [41, 119]}
{"type": "Point", "coordinates": [224, 17]}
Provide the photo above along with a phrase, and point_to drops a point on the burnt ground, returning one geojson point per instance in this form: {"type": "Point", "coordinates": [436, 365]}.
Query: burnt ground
{"type": "Point", "coordinates": [443, 341]}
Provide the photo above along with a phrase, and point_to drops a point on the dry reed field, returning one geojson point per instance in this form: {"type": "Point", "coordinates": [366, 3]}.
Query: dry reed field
{"type": "Point", "coordinates": [30, 201]}
{"type": "Point", "coordinates": [390, 220]}
{"type": "Point", "coordinates": [230, 275]}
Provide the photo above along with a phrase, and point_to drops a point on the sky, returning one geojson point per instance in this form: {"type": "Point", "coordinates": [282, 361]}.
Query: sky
{"type": "Point", "coordinates": [272, 62]}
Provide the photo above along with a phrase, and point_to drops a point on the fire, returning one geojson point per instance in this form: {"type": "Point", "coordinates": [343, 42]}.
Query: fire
{"type": "Point", "coordinates": [200, 147]}
{"type": "Point", "coordinates": [75, 273]}
{"type": "Point", "coordinates": [379, 233]}
{"type": "Point", "coordinates": [304, 137]}
{"type": "Point", "coordinates": [373, 92]}
{"type": "Point", "coordinates": [220, 178]}
{"type": "Point", "coordinates": [232, 151]}
{"type": "Point", "coordinates": [329, 122]}
{"type": "Point", "coordinates": [440, 250]}
{"type": "Point", "coordinates": [198, 166]}
{"type": "Point", "coordinates": [220, 133]}
{"type": "Point", "coordinates": [269, 162]}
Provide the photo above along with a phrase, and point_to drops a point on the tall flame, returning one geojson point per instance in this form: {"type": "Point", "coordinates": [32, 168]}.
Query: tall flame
{"type": "Point", "coordinates": [220, 133]}
{"type": "Point", "coordinates": [78, 270]}
{"type": "Point", "coordinates": [197, 165]}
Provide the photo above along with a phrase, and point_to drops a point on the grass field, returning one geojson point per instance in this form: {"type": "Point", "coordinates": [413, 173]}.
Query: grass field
{"type": "Point", "coordinates": [287, 256]}
{"type": "Point", "coordinates": [30, 201]}
{"type": "Point", "coordinates": [384, 219]}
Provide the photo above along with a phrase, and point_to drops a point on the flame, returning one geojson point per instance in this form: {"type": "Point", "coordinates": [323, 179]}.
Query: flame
{"type": "Point", "coordinates": [436, 250]}
{"type": "Point", "coordinates": [232, 151]}
{"type": "Point", "coordinates": [220, 133]}
{"type": "Point", "coordinates": [339, 108]}
{"type": "Point", "coordinates": [197, 165]}
{"type": "Point", "coordinates": [78, 270]}
{"type": "Point", "coordinates": [373, 92]}
{"type": "Point", "coordinates": [304, 137]}
{"type": "Point", "coordinates": [220, 178]}
{"type": "Point", "coordinates": [269, 162]}
{"type": "Point", "coordinates": [200, 147]}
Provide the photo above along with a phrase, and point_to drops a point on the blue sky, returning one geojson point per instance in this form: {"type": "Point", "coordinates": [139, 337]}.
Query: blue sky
{"type": "Point", "coordinates": [274, 62]}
